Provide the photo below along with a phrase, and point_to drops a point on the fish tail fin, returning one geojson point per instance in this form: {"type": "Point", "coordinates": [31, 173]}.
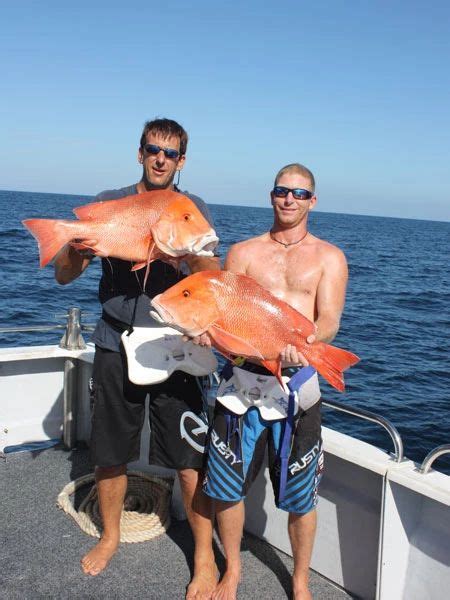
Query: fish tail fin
{"type": "Point", "coordinates": [330, 362]}
{"type": "Point", "coordinates": [51, 236]}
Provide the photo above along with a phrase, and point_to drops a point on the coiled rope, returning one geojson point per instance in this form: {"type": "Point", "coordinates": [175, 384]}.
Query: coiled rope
{"type": "Point", "coordinates": [146, 507]}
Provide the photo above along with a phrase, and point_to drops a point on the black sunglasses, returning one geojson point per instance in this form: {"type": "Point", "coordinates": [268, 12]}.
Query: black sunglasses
{"type": "Point", "coordinates": [299, 194]}
{"type": "Point", "coordinates": [168, 152]}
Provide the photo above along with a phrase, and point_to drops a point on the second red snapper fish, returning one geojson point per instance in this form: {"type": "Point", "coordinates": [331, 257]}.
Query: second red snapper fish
{"type": "Point", "coordinates": [139, 228]}
{"type": "Point", "coordinates": [244, 319]}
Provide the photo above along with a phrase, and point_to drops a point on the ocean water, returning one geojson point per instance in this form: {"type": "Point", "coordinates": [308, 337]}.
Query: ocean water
{"type": "Point", "coordinates": [396, 318]}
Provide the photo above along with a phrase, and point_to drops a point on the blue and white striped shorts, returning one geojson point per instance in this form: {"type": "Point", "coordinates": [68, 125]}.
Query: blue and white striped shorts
{"type": "Point", "coordinates": [235, 456]}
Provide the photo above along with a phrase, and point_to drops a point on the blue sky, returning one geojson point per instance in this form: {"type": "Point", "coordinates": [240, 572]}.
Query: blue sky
{"type": "Point", "coordinates": [357, 91]}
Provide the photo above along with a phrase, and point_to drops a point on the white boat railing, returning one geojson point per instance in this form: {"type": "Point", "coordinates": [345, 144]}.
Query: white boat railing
{"type": "Point", "coordinates": [367, 415]}
{"type": "Point", "coordinates": [432, 456]}
{"type": "Point", "coordinates": [73, 327]}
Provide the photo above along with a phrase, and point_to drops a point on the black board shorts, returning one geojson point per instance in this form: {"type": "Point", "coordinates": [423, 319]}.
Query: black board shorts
{"type": "Point", "coordinates": [177, 418]}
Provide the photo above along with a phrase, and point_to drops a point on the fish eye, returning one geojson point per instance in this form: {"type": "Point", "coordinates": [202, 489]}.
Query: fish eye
{"type": "Point", "coordinates": [187, 217]}
{"type": "Point", "coordinates": [186, 293]}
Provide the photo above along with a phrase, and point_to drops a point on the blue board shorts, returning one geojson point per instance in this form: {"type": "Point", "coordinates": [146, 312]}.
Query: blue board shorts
{"type": "Point", "coordinates": [235, 453]}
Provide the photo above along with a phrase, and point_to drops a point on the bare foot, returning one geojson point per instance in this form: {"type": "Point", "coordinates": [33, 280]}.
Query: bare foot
{"type": "Point", "coordinates": [98, 558]}
{"type": "Point", "coordinates": [300, 591]}
{"type": "Point", "coordinates": [227, 587]}
{"type": "Point", "coordinates": [203, 583]}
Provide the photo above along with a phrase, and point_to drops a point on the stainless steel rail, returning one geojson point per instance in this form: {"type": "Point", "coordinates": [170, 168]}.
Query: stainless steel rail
{"type": "Point", "coordinates": [70, 390]}
{"type": "Point", "coordinates": [374, 418]}
{"type": "Point", "coordinates": [30, 328]}
{"type": "Point", "coordinates": [35, 328]}
{"type": "Point", "coordinates": [72, 338]}
{"type": "Point", "coordinates": [432, 456]}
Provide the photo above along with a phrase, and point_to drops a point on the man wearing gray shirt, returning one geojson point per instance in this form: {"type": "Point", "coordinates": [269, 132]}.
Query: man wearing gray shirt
{"type": "Point", "coordinates": [119, 404]}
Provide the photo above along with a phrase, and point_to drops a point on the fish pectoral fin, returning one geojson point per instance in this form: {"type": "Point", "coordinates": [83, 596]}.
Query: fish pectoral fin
{"type": "Point", "coordinates": [226, 354]}
{"type": "Point", "coordinates": [232, 343]}
{"type": "Point", "coordinates": [151, 247]}
{"type": "Point", "coordinates": [150, 258]}
{"type": "Point", "coordinates": [138, 266]}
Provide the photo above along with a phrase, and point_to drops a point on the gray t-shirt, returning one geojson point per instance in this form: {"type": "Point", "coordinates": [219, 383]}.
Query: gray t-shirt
{"type": "Point", "coordinates": [121, 291]}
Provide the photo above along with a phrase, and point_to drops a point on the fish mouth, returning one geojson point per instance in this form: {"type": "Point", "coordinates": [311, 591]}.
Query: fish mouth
{"type": "Point", "coordinates": [163, 316]}
{"type": "Point", "coordinates": [160, 314]}
{"type": "Point", "coordinates": [205, 246]}
{"type": "Point", "coordinates": [202, 246]}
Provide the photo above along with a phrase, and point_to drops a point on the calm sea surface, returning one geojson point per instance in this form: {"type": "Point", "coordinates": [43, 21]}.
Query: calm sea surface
{"type": "Point", "coordinates": [397, 316]}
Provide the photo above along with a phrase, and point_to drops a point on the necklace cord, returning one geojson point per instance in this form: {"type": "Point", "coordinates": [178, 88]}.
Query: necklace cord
{"type": "Point", "coordinates": [286, 245]}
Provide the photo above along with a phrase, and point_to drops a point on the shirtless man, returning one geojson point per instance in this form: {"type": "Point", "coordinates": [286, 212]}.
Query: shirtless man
{"type": "Point", "coordinates": [311, 275]}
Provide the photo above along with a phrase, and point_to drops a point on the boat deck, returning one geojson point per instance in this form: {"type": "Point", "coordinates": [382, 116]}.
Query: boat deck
{"type": "Point", "coordinates": [41, 545]}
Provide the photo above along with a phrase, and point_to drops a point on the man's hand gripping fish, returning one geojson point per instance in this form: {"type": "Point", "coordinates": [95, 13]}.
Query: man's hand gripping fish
{"type": "Point", "coordinates": [160, 224]}
{"type": "Point", "coordinates": [244, 319]}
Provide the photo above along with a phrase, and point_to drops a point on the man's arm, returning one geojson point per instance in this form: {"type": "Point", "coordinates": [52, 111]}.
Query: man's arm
{"type": "Point", "coordinates": [330, 296]}
{"type": "Point", "coordinates": [237, 258]}
{"type": "Point", "coordinates": [202, 263]}
{"type": "Point", "coordinates": [69, 264]}
{"type": "Point", "coordinates": [330, 299]}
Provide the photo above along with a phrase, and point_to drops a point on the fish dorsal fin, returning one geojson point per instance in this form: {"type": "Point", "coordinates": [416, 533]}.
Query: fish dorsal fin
{"type": "Point", "coordinates": [105, 208]}
{"type": "Point", "coordinates": [233, 344]}
{"type": "Point", "coordinates": [89, 211]}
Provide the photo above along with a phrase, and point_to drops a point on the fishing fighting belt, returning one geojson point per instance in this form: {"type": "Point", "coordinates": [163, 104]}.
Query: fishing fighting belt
{"type": "Point", "coordinates": [240, 389]}
{"type": "Point", "coordinates": [154, 353]}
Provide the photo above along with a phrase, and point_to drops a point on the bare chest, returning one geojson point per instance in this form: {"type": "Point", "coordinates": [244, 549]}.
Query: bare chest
{"type": "Point", "coordinates": [290, 274]}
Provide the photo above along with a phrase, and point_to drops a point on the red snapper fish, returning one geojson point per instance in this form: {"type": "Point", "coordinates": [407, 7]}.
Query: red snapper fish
{"type": "Point", "coordinates": [244, 319]}
{"type": "Point", "coordinates": [140, 228]}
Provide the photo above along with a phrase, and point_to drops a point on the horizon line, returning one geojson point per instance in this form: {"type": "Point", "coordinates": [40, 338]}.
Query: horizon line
{"type": "Point", "coordinates": [252, 206]}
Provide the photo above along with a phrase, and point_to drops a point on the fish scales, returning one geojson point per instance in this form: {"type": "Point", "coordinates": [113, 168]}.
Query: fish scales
{"type": "Point", "coordinates": [160, 224]}
{"type": "Point", "coordinates": [242, 318]}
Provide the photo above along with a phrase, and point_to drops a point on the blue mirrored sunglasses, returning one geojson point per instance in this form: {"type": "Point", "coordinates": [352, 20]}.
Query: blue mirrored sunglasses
{"type": "Point", "coordinates": [299, 194]}
{"type": "Point", "coordinates": [168, 152]}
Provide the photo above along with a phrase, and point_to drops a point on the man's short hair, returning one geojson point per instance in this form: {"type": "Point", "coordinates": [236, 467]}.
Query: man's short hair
{"type": "Point", "coordinates": [166, 128]}
{"type": "Point", "coordinates": [300, 170]}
